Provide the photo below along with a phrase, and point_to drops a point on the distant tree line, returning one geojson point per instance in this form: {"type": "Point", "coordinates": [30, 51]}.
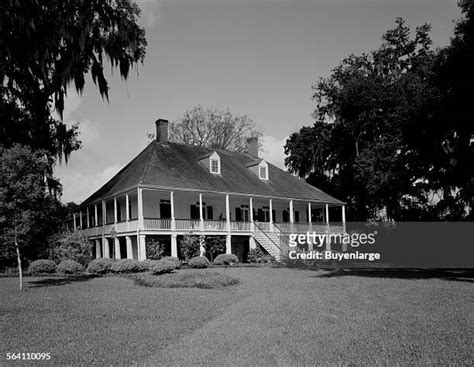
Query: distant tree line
{"type": "Point", "coordinates": [393, 128]}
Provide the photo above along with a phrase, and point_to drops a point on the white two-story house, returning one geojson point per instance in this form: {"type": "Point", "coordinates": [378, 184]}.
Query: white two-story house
{"type": "Point", "coordinates": [170, 190]}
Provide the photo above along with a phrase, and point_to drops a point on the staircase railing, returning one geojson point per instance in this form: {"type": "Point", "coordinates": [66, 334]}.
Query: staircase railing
{"type": "Point", "coordinates": [273, 242]}
{"type": "Point", "coordinates": [283, 235]}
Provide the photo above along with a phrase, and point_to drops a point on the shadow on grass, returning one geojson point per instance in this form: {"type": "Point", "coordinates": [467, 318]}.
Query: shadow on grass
{"type": "Point", "coordinates": [62, 280]}
{"type": "Point", "coordinates": [459, 275]}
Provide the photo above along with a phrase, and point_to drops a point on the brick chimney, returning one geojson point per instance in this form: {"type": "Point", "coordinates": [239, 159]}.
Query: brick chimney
{"type": "Point", "coordinates": [252, 146]}
{"type": "Point", "coordinates": [162, 131]}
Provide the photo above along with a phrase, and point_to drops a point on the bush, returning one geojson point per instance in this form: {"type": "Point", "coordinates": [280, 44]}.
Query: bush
{"type": "Point", "coordinates": [69, 267]}
{"type": "Point", "coordinates": [257, 255]}
{"type": "Point", "coordinates": [147, 264]}
{"type": "Point", "coordinates": [189, 246]}
{"type": "Point", "coordinates": [187, 279]}
{"type": "Point", "coordinates": [174, 260]}
{"type": "Point", "coordinates": [128, 266]}
{"type": "Point", "coordinates": [100, 266]}
{"type": "Point", "coordinates": [163, 266]}
{"type": "Point", "coordinates": [198, 262]}
{"type": "Point", "coordinates": [226, 259]}
{"type": "Point", "coordinates": [154, 249]}
{"type": "Point", "coordinates": [42, 266]}
{"type": "Point", "coordinates": [70, 245]}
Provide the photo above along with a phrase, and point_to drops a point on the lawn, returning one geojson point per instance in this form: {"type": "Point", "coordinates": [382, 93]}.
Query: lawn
{"type": "Point", "coordinates": [272, 317]}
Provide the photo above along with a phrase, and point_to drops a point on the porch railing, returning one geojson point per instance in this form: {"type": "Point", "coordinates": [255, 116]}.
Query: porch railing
{"type": "Point", "coordinates": [157, 223]}
{"type": "Point", "coordinates": [188, 224]}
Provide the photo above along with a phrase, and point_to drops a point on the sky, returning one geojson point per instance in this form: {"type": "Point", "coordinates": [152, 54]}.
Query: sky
{"type": "Point", "coordinates": [257, 58]}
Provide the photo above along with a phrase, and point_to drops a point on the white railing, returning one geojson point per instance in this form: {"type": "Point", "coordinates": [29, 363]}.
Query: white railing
{"type": "Point", "coordinates": [157, 223]}
{"type": "Point", "coordinates": [128, 226]}
{"type": "Point", "coordinates": [215, 225]}
{"type": "Point", "coordinates": [310, 227]}
{"type": "Point", "coordinates": [240, 226]}
{"type": "Point", "coordinates": [264, 226]}
{"type": "Point", "coordinates": [188, 224]}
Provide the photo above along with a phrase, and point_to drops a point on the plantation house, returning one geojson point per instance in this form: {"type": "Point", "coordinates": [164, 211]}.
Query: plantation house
{"type": "Point", "coordinates": [170, 190]}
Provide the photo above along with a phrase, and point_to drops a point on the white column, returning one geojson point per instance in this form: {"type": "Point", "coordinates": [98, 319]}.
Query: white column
{"type": "Point", "coordinates": [87, 218]}
{"type": "Point", "coordinates": [344, 218]}
{"type": "Point", "coordinates": [127, 207]}
{"type": "Point", "coordinates": [328, 242]}
{"type": "Point", "coordinates": [97, 249]}
{"type": "Point", "coordinates": [292, 214]}
{"type": "Point", "coordinates": [140, 208]}
{"type": "Point", "coordinates": [117, 248]}
{"type": "Point", "coordinates": [173, 221]}
{"type": "Point", "coordinates": [174, 245]}
{"type": "Point", "coordinates": [227, 211]}
{"type": "Point", "coordinates": [252, 244]}
{"type": "Point", "coordinates": [115, 210]}
{"type": "Point", "coordinates": [201, 217]}
{"type": "Point", "coordinates": [96, 217]}
{"type": "Point", "coordinates": [74, 220]}
{"type": "Point", "coordinates": [141, 247]}
{"type": "Point", "coordinates": [309, 213]}
{"type": "Point", "coordinates": [202, 250]}
{"type": "Point", "coordinates": [128, 241]}
{"type": "Point", "coordinates": [252, 226]}
{"type": "Point", "coordinates": [270, 206]}
{"type": "Point", "coordinates": [327, 214]}
{"type": "Point", "coordinates": [80, 219]}
{"type": "Point", "coordinates": [106, 251]}
{"type": "Point", "coordinates": [228, 244]}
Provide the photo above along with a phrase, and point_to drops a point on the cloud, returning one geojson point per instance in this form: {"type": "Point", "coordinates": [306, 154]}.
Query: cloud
{"type": "Point", "coordinates": [273, 150]}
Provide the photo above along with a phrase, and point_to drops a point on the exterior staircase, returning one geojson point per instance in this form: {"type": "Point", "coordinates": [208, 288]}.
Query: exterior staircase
{"type": "Point", "coordinates": [275, 243]}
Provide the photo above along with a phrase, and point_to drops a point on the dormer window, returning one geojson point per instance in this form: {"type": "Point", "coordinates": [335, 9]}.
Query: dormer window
{"type": "Point", "coordinates": [260, 168]}
{"type": "Point", "coordinates": [215, 164]}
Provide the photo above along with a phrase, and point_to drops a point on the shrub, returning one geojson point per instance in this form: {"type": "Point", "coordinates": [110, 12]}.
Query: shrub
{"type": "Point", "coordinates": [70, 245]}
{"type": "Point", "coordinates": [193, 279]}
{"type": "Point", "coordinates": [257, 255]}
{"type": "Point", "coordinates": [69, 267]}
{"type": "Point", "coordinates": [163, 266]}
{"type": "Point", "coordinates": [226, 259]}
{"type": "Point", "coordinates": [147, 264]}
{"type": "Point", "coordinates": [198, 262]}
{"type": "Point", "coordinates": [42, 266]}
{"type": "Point", "coordinates": [154, 249]}
{"type": "Point", "coordinates": [100, 266]}
{"type": "Point", "coordinates": [189, 247]}
{"type": "Point", "coordinates": [174, 260]}
{"type": "Point", "coordinates": [128, 266]}
{"type": "Point", "coordinates": [214, 246]}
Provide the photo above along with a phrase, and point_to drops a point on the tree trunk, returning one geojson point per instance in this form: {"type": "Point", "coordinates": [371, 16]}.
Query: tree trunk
{"type": "Point", "coordinates": [20, 272]}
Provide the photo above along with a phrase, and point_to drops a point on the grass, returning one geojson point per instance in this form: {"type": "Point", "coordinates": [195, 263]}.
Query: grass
{"type": "Point", "coordinates": [274, 316]}
{"type": "Point", "coordinates": [186, 279]}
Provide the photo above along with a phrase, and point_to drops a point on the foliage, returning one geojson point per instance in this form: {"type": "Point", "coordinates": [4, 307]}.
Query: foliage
{"type": "Point", "coordinates": [214, 246]}
{"type": "Point", "coordinates": [183, 279]}
{"type": "Point", "coordinates": [198, 262]}
{"type": "Point", "coordinates": [100, 266]}
{"type": "Point", "coordinates": [226, 259]}
{"type": "Point", "coordinates": [46, 46]}
{"type": "Point", "coordinates": [189, 247]}
{"type": "Point", "coordinates": [213, 128]}
{"type": "Point", "coordinates": [23, 200]}
{"type": "Point", "coordinates": [174, 260]}
{"type": "Point", "coordinates": [128, 266]}
{"type": "Point", "coordinates": [71, 245]}
{"type": "Point", "coordinates": [163, 266]}
{"type": "Point", "coordinates": [378, 141]}
{"type": "Point", "coordinates": [42, 266]}
{"type": "Point", "coordinates": [257, 255]}
{"type": "Point", "coordinates": [69, 267]}
{"type": "Point", "coordinates": [154, 249]}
